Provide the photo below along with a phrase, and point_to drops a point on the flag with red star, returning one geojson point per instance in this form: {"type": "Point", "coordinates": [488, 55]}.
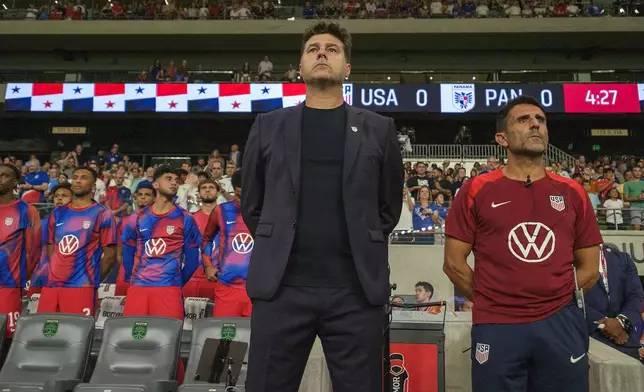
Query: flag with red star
{"type": "Point", "coordinates": [172, 98]}
{"type": "Point", "coordinates": [109, 98]}
{"type": "Point", "coordinates": [234, 98]}
{"type": "Point", "coordinates": [294, 94]}
{"type": "Point", "coordinates": [47, 97]}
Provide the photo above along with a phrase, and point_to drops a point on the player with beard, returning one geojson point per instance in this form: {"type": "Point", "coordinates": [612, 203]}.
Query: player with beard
{"type": "Point", "coordinates": [164, 237]}
{"type": "Point", "coordinates": [199, 285]}
{"type": "Point", "coordinates": [62, 196]}
{"type": "Point", "coordinates": [19, 245]}
{"type": "Point", "coordinates": [227, 247]}
{"type": "Point", "coordinates": [527, 228]}
{"type": "Point", "coordinates": [144, 196]}
{"type": "Point", "coordinates": [81, 249]}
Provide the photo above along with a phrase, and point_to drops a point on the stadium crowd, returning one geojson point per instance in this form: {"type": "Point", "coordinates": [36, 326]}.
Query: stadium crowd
{"type": "Point", "coordinates": [244, 10]}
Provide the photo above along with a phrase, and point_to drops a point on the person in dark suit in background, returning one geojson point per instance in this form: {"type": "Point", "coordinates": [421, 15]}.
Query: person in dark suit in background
{"type": "Point", "coordinates": [322, 192]}
{"type": "Point", "coordinates": [614, 304]}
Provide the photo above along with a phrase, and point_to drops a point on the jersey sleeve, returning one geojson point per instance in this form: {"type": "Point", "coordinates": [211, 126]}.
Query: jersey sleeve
{"type": "Point", "coordinates": [191, 247]}
{"type": "Point", "coordinates": [33, 238]}
{"type": "Point", "coordinates": [119, 231]}
{"type": "Point", "coordinates": [128, 241]}
{"type": "Point", "coordinates": [107, 229]}
{"type": "Point", "coordinates": [210, 233]}
{"type": "Point", "coordinates": [586, 228]}
{"type": "Point", "coordinates": [461, 222]}
{"type": "Point", "coordinates": [51, 228]}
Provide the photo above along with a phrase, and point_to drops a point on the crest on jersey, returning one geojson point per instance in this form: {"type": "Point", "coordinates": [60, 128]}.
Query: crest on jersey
{"type": "Point", "coordinates": [68, 245]}
{"type": "Point", "coordinates": [463, 97]}
{"type": "Point", "coordinates": [86, 224]}
{"type": "Point", "coordinates": [169, 229]}
{"type": "Point", "coordinates": [482, 353]}
{"type": "Point", "coordinates": [557, 202]}
{"type": "Point", "coordinates": [243, 243]}
{"type": "Point", "coordinates": [8, 221]}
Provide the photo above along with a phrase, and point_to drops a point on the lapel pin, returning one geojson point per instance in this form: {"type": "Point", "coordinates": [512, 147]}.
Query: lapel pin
{"type": "Point", "coordinates": [354, 129]}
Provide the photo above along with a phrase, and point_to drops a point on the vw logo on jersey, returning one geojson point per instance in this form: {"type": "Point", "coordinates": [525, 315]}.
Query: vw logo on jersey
{"type": "Point", "coordinates": [155, 247]}
{"type": "Point", "coordinates": [68, 245]}
{"type": "Point", "coordinates": [86, 224]}
{"type": "Point", "coordinates": [532, 242]}
{"type": "Point", "coordinates": [243, 243]}
{"type": "Point", "coordinates": [169, 229]}
{"type": "Point", "coordinates": [8, 221]}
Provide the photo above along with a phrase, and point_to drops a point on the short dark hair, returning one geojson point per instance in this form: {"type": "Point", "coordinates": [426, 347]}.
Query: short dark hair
{"type": "Point", "coordinates": [13, 168]}
{"type": "Point", "coordinates": [203, 174]}
{"type": "Point", "coordinates": [576, 175]}
{"type": "Point", "coordinates": [609, 170]}
{"type": "Point", "coordinates": [165, 169]}
{"type": "Point", "coordinates": [61, 186]}
{"type": "Point", "coordinates": [236, 180]}
{"type": "Point", "coordinates": [182, 172]}
{"type": "Point", "coordinates": [146, 186]}
{"type": "Point", "coordinates": [209, 181]}
{"type": "Point", "coordinates": [425, 285]}
{"type": "Point", "coordinates": [332, 28]}
{"type": "Point", "coordinates": [502, 117]}
{"type": "Point", "coordinates": [585, 182]}
{"type": "Point", "coordinates": [88, 169]}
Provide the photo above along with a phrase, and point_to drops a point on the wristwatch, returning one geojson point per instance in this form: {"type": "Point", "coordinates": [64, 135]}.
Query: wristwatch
{"type": "Point", "coordinates": [626, 323]}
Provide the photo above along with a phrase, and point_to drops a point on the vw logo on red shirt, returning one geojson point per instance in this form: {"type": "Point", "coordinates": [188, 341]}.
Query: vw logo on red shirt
{"type": "Point", "coordinates": [532, 242]}
{"type": "Point", "coordinates": [243, 243]}
{"type": "Point", "coordinates": [155, 247]}
{"type": "Point", "coordinates": [68, 245]}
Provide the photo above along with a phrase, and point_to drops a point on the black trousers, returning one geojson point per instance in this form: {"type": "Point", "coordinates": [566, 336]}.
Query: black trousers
{"type": "Point", "coordinates": [283, 331]}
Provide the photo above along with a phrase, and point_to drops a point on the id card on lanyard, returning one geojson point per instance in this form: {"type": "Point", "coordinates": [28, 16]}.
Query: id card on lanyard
{"type": "Point", "coordinates": [603, 271]}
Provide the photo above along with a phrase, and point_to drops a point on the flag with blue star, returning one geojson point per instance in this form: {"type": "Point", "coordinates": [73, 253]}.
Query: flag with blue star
{"type": "Point", "coordinates": [18, 97]}
{"type": "Point", "coordinates": [140, 97]}
{"type": "Point", "coordinates": [78, 97]}
{"type": "Point", "coordinates": [203, 97]}
{"type": "Point", "coordinates": [266, 97]}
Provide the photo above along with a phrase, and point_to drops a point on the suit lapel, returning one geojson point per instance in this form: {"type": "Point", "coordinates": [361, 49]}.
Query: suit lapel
{"type": "Point", "coordinates": [353, 137]}
{"type": "Point", "coordinates": [293, 135]}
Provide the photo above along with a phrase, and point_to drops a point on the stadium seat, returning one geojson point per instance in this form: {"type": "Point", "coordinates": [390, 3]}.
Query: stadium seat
{"type": "Point", "coordinates": [211, 328]}
{"type": "Point", "coordinates": [138, 353]}
{"type": "Point", "coordinates": [49, 353]}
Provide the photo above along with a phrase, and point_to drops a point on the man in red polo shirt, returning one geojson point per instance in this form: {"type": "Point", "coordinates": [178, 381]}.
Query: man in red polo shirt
{"type": "Point", "coordinates": [526, 228]}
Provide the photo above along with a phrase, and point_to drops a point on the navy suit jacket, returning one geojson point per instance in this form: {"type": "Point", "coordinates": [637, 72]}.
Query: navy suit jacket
{"type": "Point", "coordinates": [626, 297]}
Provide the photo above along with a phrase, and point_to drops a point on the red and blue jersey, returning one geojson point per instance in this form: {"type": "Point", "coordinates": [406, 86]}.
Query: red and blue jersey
{"type": "Point", "coordinates": [129, 221]}
{"type": "Point", "coordinates": [78, 237]}
{"type": "Point", "coordinates": [201, 220]}
{"type": "Point", "coordinates": [156, 246]}
{"type": "Point", "coordinates": [19, 243]}
{"type": "Point", "coordinates": [116, 197]}
{"type": "Point", "coordinates": [39, 276]}
{"type": "Point", "coordinates": [233, 248]}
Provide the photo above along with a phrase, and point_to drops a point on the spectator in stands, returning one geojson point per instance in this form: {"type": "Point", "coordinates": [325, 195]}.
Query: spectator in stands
{"type": "Point", "coordinates": [605, 184]}
{"type": "Point", "coordinates": [235, 155]}
{"type": "Point", "coordinates": [614, 205]}
{"type": "Point", "coordinates": [419, 180]}
{"type": "Point", "coordinates": [188, 195]}
{"type": "Point", "coordinates": [308, 12]}
{"type": "Point", "coordinates": [264, 69]}
{"type": "Point", "coordinates": [594, 199]}
{"type": "Point", "coordinates": [424, 218]}
{"type": "Point", "coordinates": [53, 181]}
{"type": "Point", "coordinates": [424, 293]}
{"type": "Point", "coordinates": [595, 10]}
{"type": "Point", "coordinates": [291, 74]}
{"type": "Point", "coordinates": [405, 221]}
{"type": "Point", "coordinates": [36, 181]}
{"type": "Point", "coordinates": [114, 156]}
{"type": "Point", "coordinates": [118, 198]}
{"type": "Point", "coordinates": [100, 189]}
{"type": "Point", "coordinates": [614, 304]}
{"type": "Point", "coordinates": [440, 208]}
{"type": "Point", "coordinates": [466, 306]}
{"type": "Point", "coordinates": [634, 194]}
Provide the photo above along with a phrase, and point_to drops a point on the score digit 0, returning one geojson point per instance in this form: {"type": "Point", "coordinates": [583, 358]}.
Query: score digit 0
{"type": "Point", "coordinates": [421, 98]}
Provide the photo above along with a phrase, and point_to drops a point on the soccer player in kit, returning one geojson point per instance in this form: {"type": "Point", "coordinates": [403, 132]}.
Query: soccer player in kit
{"type": "Point", "coordinates": [144, 196]}
{"type": "Point", "coordinates": [229, 265]}
{"type": "Point", "coordinates": [19, 245]}
{"type": "Point", "coordinates": [81, 249]}
{"type": "Point", "coordinates": [527, 227]}
{"type": "Point", "coordinates": [199, 285]}
{"type": "Point", "coordinates": [62, 196]}
{"type": "Point", "coordinates": [164, 236]}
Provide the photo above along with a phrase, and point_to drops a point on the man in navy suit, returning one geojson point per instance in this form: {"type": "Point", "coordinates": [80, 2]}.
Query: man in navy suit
{"type": "Point", "coordinates": [614, 304]}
